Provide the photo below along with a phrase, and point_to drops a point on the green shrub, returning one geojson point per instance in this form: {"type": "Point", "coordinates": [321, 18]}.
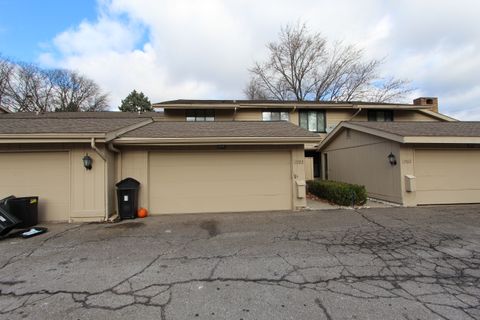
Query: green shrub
{"type": "Point", "coordinates": [341, 193]}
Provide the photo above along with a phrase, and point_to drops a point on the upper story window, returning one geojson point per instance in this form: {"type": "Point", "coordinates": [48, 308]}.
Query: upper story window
{"type": "Point", "coordinates": [275, 116]}
{"type": "Point", "coordinates": [200, 115]}
{"type": "Point", "coordinates": [380, 115]}
{"type": "Point", "coordinates": [313, 120]}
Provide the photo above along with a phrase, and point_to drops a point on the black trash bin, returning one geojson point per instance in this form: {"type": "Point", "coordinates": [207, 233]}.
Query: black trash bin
{"type": "Point", "coordinates": [7, 220]}
{"type": "Point", "coordinates": [24, 209]}
{"type": "Point", "coordinates": [127, 196]}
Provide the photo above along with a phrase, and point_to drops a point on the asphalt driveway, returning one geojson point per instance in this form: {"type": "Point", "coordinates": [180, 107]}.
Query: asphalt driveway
{"type": "Point", "coordinates": [386, 263]}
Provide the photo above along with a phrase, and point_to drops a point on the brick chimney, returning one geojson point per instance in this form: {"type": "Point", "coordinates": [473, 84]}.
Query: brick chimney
{"type": "Point", "coordinates": [431, 102]}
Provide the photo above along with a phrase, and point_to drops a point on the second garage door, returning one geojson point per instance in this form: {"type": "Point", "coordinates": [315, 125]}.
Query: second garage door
{"type": "Point", "coordinates": [43, 174]}
{"type": "Point", "coordinates": [447, 176]}
{"type": "Point", "coordinates": [219, 181]}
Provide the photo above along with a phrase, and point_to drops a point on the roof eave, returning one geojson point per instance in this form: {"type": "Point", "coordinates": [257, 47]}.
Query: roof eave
{"type": "Point", "coordinates": [51, 138]}
{"type": "Point", "coordinates": [216, 141]}
{"type": "Point", "coordinates": [298, 105]}
{"type": "Point", "coordinates": [440, 140]}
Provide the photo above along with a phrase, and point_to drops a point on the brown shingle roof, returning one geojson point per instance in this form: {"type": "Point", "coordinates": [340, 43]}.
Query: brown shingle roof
{"type": "Point", "coordinates": [426, 129]}
{"type": "Point", "coordinates": [81, 115]}
{"type": "Point", "coordinates": [220, 129]}
{"type": "Point", "coordinates": [55, 125]}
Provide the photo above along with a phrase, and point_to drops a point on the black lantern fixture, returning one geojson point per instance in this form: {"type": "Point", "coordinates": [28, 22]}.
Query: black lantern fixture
{"type": "Point", "coordinates": [392, 159]}
{"type": "Point", "coordinates": [87, 162]}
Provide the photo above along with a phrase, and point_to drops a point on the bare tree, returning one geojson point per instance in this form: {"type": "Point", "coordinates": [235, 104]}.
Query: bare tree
{"type": "Point", "coordinates": [74, 92]}
{"type": "Point", "coordinates": [28, 88]}
{"type": "Point", "coordinates": [303, 66]}
{"type": "Point", "coordinates": [6, 69]}
{"type": "Point", "coordinates": [253, 91]}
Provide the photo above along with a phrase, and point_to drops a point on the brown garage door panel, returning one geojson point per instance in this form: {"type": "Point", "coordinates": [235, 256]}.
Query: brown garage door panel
{"type": "Point", "coordinates": [43, 174]}
{"type": "Point", "coordinates": [219, 181]}
{"type": "Point", "coordinates": [447, 176]}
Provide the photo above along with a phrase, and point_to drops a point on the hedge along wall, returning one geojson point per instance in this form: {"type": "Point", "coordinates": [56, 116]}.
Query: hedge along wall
{"type": "Point", "coordinates": [341, 193]}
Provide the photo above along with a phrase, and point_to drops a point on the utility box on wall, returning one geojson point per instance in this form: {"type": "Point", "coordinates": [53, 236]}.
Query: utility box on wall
{"type": "Point", "coordinates": [301, 193]}
{"type": "Point", "coordinates": [410, 185]}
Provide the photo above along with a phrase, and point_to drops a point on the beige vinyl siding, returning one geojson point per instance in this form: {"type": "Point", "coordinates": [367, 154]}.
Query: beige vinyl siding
{"type": "Point", "coordinates": [134, 164]}
{"type": "Point", "coordinates": [334, 117]}
{"type": "Point", "coordinates": [88, 191]}
{"type": "Point", "coordinates": [190, 182]}
{"type": "Point", "coordinates": [447, 176]}
{"type": "Point", "coordinates": [55, 172]}
{"type": "Point", "coordinates": [309, 168]}
{"type": "Point", "coordinates": [248, 115]}
{"type": "Point", "coordinates": [404, 115]}
{"type": "Point", "coordinates": [362, 159]}
{"type": "Point", "coordinates": [43, 174]}
{"type": "Point", "coordinates": [174, 115]}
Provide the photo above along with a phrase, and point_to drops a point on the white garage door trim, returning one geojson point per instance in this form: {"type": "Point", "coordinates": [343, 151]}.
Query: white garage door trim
{"type": "Point", "coordinates": [213, 181]}
{"type": "Point", "coordinates": [447, 176]}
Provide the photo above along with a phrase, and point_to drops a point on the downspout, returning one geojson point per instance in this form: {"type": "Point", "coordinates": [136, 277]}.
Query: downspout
{"type": "Point", "coordinates": [356, 113]}
{"type": "Point", "coordinates": [234, 113]}
{"type": "Point", "coordinates": [98, 151]}
{"type": "Point", "coordinates": [102, 155]}
{"type": "Point", "coordinates": [112, 148]}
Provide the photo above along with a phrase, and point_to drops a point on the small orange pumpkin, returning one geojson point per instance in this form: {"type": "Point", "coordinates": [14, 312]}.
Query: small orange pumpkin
{"type": "Point", "coordinates": [142, 213]}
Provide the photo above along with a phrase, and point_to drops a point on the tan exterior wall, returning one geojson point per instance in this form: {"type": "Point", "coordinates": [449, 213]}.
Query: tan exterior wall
{"type": "Point", "coordinates": [309, 168]}
{"type": "Point", "coordinates": [179, 115]}
{"type": "Point", "coordinates": [174, 115]}
{"type": "Point", "coordinates": [187, 180]}
{"type": "Point", "coordinates": [404, 115]}
{"type": "Point", "coordinates": [362, 159]}
{"type": "Point", "coordinates": [134, 164]}
{"type": "Point", "coordinates": [248, 115]}
{"type": "Point", "coordinates": [298, 177]}
{"type": "Point", "coordinates": [88, 189]}
{"type": "Point", "coordinates": [333, 116]}
{"type": "Point", "coordinates": [55, 173]}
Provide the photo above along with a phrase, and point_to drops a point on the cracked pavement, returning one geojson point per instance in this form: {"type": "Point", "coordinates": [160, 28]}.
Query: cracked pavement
{"type": "Point", "coordinates": [386, 263]}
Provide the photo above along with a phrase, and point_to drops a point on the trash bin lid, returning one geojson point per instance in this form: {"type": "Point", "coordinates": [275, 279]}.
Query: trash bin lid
{"type": "Point", "coordinates": [128, 183]}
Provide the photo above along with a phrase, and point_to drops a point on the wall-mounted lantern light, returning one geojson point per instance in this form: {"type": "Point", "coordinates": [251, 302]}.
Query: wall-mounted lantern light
{"type": "Point", "coordinates": [87, 162]}
{"type": "Point", "coordinates": [392, 159]}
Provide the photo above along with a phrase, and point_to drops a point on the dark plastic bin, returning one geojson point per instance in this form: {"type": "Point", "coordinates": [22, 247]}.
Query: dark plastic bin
{"type": "Point", "coordinates": [7, 220]}
{"type": "Point", "coordinates": [24, 209]}
{"type": "Point", "coordinates": [127, 197]}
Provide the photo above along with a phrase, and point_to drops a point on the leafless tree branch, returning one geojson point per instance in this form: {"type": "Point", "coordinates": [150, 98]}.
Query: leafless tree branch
{"type": "Point", "coordinates": [302, 66]}
{"type": "Point", "coordinates": [28, 88]}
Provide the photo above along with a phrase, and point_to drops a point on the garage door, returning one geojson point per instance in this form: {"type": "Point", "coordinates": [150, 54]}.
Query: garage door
{"type": "Point", "coordinates": [227, 181]}
{"type": "Point", "coordinates": [447, 176]}
{"type": "Point", "coordinates": [42, 174]}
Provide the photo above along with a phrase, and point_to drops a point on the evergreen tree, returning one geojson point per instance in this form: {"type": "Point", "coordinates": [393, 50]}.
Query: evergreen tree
{"type": "Point", "coordinates": [136, 102]}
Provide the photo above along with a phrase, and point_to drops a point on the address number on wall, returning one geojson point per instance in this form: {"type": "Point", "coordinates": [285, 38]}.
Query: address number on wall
{"type": "Point", "coordinates": [298, 161]}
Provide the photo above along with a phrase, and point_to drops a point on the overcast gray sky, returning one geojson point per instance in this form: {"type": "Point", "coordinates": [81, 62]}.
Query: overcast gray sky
{"type": "Point", "coordinates": [173, 49]}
